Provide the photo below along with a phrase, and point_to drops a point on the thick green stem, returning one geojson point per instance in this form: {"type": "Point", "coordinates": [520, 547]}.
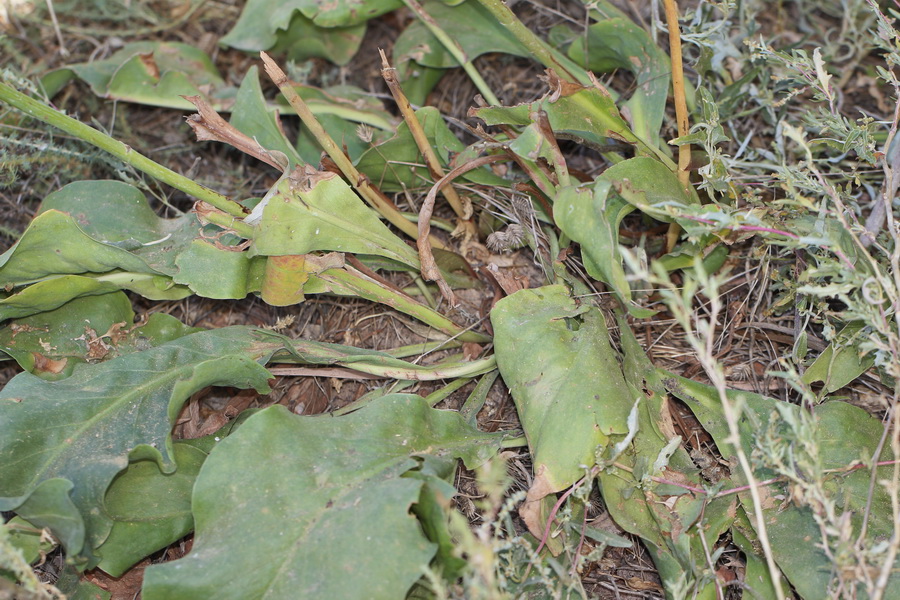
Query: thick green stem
{"type": "Point", "coordinates": [543, 52]}
{"type": "Point", "coordinates": [123, 152]}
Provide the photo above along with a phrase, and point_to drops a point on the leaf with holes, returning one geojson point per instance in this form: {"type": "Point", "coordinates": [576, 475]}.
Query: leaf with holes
{"type": "Point", "coordinates": [62, 442]}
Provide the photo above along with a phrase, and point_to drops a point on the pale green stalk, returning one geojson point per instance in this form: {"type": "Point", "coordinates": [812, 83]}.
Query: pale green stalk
{"type": "Point", "coordinates": [543, 52]}
{"type": "Point", "coordinates": [123, 152]}
{"type": "Point", "coordinates": [455, 51]}
{"type": "Point", "coordinates": [343, 280]}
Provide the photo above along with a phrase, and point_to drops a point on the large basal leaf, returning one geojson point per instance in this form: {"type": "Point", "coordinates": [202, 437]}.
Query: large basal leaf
{"type": "Point", "coordinates": [843, 434]}
{"type": "Point", "coordinates": [317, 210]}
{"type": "Point", "coordinates": [668, 518]}
{"type": "Point", "coordinates": [320, 505]}
{"type": "Point", "coordinates": [556, 359]}
{"type": "Point", "coordinates": [87, 329]}
{"type": "Point", "coordinates": [149, 509]}
{"type": "Point", "coordinates": [261, 20]}
{"type": "Point", "coordinates": [616, 42]}
{"type": "Point", "coordinates": [106, 233]}
{"type": "Point", "coordinates": [154, 73]}
{"type": "Point", "coordinates": [62, 442]}
{"type": "Point", "coordinates": [418, 44]}
{"type": "Point", "coordinates": [53, 244]}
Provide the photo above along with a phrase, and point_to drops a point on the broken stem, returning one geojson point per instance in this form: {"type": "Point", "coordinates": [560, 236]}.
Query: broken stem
{"type": "Point", "coordinates": [462, 209]}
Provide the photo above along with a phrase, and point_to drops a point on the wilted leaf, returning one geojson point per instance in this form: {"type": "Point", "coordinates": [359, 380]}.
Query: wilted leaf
{"type": "Point", "coordinates": [338, 526]}
{"type": "Point", "coordinates": [556, 359]}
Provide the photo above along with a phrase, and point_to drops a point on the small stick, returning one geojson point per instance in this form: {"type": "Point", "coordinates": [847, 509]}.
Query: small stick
{"type": "Point", "coordinates": [430, 271]}
{"type": "Point", "coordinates": [681, 111]}
{"type": "Point", "coordinates": [462, 209]}
{"type": "Point", "coordinates": [359, 181]}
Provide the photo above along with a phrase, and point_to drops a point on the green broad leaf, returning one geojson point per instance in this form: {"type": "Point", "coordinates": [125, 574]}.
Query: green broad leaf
{"type": "Point", "coordinates": [149, 509]}
{"type": "Point", "coordinates": [417, 43]}
{"type": "Point", "coordinates": [591, 217]}
{"type": "Point", "coordinates": [87, 329]}
{"type": "Point", "coordinates": [62, 442]}
{"type": "Point", "coordinates": [322, 212]}
{"type": "Point", "coordinates": [397, 165]}
{"type": "Point", "coordinates": [215, 272]}
{"type": "Point", "coordinates": [842, 361]}
{"type": "Point", "coordinates": [652, 188]}
{"type": "Point", "coordinates": [153, 73]}
{"type": "Point", "coordinates": [102, 236]}
{"type": "Point", "coordinates": [252, 116]}
{"type": "Point", "coordinates": [48, 342]}
{"type": "Point", "coordinates": [616, 42]}
{"type": "Point", "coordinates": [118, 215]}
{"type": "Point", "coordinates": [258, 26]}
{"type": "Point", "coordinates": [842, 434]}
{"type": "Point", "coordinates": [54, 244]}
{"type": "Point", "coordinates": [554, 355]}
{"type": "Point", "coordinates": [585, 115]}
{"type": "Point", "coordinates": [51, 294]}
{"type": "Point", "coordinates": [301, 39]}
{"type": "Point", "coordinates": [339, 526]}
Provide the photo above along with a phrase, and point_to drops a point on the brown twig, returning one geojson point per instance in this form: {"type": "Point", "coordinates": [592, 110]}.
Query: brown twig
{"type": "Point", "coordinates": [681, 111]}
{"type": "Point", "coordinates": [359, 181]}
{"type": "Point", "coordinates": [463, 209]}
{"type": "Point", "coordinates": [430, 270]}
